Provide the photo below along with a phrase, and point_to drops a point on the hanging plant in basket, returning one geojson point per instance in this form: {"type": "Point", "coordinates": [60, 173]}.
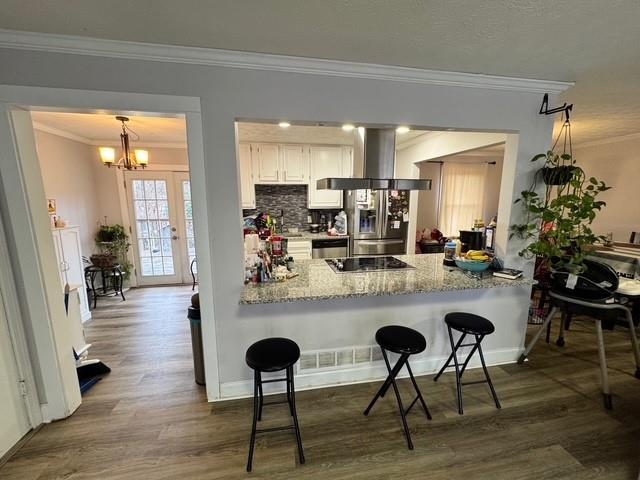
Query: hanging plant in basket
{"type": "Point", "coordinates": [558, 219]}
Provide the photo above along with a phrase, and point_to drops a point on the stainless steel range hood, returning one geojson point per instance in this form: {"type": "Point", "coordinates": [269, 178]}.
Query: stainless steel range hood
{"type": "Point", "coordinates": [374, 158]}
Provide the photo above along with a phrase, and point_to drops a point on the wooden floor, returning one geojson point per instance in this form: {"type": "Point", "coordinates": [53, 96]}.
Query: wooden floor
{"type": "Point", "coordinates": [148, 419]}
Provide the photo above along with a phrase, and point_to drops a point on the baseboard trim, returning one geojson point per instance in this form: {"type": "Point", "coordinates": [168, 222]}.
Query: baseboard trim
{"type": "Point", "coordinates": [369, 373]}
{"type": "Point", "coordinates": [13, 450]}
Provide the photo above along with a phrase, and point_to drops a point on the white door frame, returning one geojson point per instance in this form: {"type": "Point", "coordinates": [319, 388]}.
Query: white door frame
{"type": "Point", "coordinates": [31, 241]}
{"type": "Point", "coordinates": [11, 306]}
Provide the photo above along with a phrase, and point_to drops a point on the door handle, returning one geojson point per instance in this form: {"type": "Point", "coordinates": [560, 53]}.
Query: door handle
{"type": "Point", "coordinates": [379, 242]}
{"type": "Point", "coordinates": [175, 237]}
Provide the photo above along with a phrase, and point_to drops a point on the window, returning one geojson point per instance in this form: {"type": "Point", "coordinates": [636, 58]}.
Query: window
{"type": "Point", "coordinates": [463, 192]}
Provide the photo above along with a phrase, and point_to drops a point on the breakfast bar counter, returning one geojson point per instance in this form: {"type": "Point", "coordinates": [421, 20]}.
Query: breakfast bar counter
{"type": "Point", "coordinates": [316, 280]}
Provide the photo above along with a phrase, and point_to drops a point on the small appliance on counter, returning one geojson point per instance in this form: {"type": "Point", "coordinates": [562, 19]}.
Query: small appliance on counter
{"type": "Point", "coordinates": [471, 240]}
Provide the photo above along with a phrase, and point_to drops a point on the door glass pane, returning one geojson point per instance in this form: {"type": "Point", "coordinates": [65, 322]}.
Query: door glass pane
{"type": "Point", "coordinates": [188, 217]}
{"type": "Point", "coordinates": [155, 247]}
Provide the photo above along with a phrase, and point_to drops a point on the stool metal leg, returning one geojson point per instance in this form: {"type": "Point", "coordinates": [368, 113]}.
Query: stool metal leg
{"type": "Point", "coordinates": [415, 386]}
{"type": "Point", "coordinates": [457, 367]}
{"type": "Point", "coordinates": [446, 364]}
{"type": "Point", "coordinates": [392, 374]}
{"type": "Point", "coordinates": [295, 415]}
{"type": "Point", "coordinates": [289, 393]}
{"type": "Point", "coordinates": [486, 372]}
{"type": "Point", "coordinates": [604, 376]}
{"type": "Point", "coordinates": [261, 395]}
{"type": "Point", "coordinates": [473, 350]}
{"type": "Point", "coordinates": [397, 392]}
{"type": "Point", "coordinates": [255, 420]}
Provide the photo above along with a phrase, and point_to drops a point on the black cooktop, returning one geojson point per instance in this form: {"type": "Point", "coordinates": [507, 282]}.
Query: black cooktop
{"type": "Point", "coordinates": [366, 264]}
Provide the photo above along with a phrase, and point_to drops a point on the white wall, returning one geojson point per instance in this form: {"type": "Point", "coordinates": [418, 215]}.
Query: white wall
{"type": "Point", "coordinates": [68, 175]}
{"type": "Point", "coordinates": [230, 93]}
{"type": "Point", "coordinates": [618, 165]}
{"type": "Point", "coordinates": [427, 213]}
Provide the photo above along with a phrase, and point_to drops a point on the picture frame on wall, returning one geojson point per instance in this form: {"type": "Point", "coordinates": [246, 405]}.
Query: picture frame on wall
{"type": "Point", "coordinates": [51, 206]}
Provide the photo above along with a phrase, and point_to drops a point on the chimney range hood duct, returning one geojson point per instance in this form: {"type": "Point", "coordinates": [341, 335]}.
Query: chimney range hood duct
{"type": "Point", "coordinates": [374, 159]}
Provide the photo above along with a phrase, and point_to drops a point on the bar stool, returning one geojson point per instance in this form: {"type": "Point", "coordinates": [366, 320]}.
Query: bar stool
{"type": "Point", "coordinates": [405, 342]}
{"type": "Point", "coordinates": [273, 355]}
{"type": "Point", "coordinates": [479, 327]}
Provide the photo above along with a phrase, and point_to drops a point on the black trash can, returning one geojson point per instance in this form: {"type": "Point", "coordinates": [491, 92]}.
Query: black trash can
{"type": "Point", "coordinates": [193, 314]}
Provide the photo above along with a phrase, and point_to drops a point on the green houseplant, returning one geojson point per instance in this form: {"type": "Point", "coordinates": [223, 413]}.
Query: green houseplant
{"type": "Point", "coordinates": [558, 220]}
{"type": "Point", "coordinates": [113, 243]}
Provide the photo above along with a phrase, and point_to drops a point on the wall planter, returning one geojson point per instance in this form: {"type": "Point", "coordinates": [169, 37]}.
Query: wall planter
{"type": "Point", "coordinates": [557, 175]}
{"type": "Point", "coordinates": [558, 219]}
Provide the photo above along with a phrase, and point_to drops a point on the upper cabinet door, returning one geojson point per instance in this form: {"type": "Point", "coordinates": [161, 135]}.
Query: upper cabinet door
{"type": "Point", "coordinates": [294, 164]}
{"type": "Point", "coordinates": [325, 162]}
{"type": "Point", "coordinates": [247, 189]}
{"type": "Point", "coordinates": [265, 163]}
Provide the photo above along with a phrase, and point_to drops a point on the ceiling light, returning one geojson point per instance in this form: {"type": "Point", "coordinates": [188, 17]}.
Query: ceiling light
{"type": "Point", "coordinates": [140, 158]}
{"type": "Point", "coordinates": [402, 130]}
{"type": "Point", "coordinates": [284, 124]}
{"type": "Point", "coordinates": [347, 127]}
{"type": "Point", "coordinates": [107, 155]}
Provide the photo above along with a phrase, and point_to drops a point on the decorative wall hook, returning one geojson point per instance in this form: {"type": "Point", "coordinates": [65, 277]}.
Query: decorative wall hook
{"type": "Point", "coordinates": [545, 110]}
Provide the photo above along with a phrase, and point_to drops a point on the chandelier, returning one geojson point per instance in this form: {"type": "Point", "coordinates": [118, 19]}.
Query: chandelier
{"type": "Point", "coordinates": [129, 160]}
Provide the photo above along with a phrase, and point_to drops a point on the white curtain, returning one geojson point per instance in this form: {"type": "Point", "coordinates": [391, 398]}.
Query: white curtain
{"type": "Point", "coordinates": [462, 200]}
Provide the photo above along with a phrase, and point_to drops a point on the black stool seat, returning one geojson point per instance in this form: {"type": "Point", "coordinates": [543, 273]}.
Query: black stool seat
{"type": "Point", "coordinates": [272, 354]}
{"type": "Point", "coordinates": [469, 323]}
{"type": "Point", "coordinates": [398, 339]}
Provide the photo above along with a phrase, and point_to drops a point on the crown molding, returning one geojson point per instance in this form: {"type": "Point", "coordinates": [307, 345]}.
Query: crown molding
{"type": "Point", "coordinates": [61, 133]}
{"type": "Point", "coordinates": [103, 143]}
{"type": "Point", "coordinates": [260, 61]}
{"type": "Point", "coordinates": [608, 141]}
{"type": "Point", "coordinates": [138, 144]}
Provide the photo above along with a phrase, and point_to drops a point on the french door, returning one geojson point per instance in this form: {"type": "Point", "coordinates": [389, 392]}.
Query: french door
{"type": "Point", "coordinates": [161, 226]}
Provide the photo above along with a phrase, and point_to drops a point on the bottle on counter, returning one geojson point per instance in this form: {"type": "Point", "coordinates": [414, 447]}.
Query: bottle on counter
{"type": "Point", "coordinates": [449, 254]}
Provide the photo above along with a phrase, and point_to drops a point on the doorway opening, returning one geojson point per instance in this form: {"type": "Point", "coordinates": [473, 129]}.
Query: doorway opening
{"type": "Point", "coordinates": [121, 237]}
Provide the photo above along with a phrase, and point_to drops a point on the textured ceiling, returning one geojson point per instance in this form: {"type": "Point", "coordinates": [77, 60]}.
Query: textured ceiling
{"type": "Point", "coordinates": [592, 42]}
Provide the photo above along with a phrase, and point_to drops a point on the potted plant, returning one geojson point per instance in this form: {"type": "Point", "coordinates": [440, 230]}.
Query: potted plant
{"type": "Point", "coordinates": [113, 243]}
{"type": "Point", "coordinates": [558, 220]}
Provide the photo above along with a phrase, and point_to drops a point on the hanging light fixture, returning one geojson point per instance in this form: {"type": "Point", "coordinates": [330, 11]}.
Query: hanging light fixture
{"type": "Point", "coordinates": [129, 160]}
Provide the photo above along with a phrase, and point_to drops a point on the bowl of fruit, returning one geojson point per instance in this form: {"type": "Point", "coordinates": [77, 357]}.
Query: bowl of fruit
{"type": "Point", "coordinates": [473, 261]}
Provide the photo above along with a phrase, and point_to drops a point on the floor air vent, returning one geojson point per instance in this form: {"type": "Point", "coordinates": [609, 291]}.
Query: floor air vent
{"type": "Point", "coordinates": [337, 359]}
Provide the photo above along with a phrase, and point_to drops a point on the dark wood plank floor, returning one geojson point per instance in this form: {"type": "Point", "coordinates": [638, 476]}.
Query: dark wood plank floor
{"type": "Point", "coordinates": [148, 419]}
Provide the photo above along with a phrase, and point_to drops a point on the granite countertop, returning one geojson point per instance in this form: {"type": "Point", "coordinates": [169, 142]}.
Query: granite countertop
{"type": "Point", "coordinates": [311, 236]}
{"type": "Point", "coordinates": [317, 281]}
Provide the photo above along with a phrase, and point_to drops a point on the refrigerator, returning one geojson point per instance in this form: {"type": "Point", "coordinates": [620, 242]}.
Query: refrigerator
{"type": "Point", "coordinates": [378, 221]}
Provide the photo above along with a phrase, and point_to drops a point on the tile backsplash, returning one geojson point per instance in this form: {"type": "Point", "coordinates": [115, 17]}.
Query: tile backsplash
{"type": "Point", "coordinates": [290, 198]}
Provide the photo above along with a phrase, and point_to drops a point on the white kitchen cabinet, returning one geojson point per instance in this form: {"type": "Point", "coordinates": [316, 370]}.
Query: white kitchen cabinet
{"type": "Point", "coordinates": [266, 163]}
{"type": "Point", "coordinates": [294, 161]}
{"type": "Point", "coordinates": [247, 187]}
{"type": "Point", "coordinates": [71, 267]}
{"type": "Point", "coordinates": [325, 162]}
{"type": "Point", "coordinates": [299, 249]}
